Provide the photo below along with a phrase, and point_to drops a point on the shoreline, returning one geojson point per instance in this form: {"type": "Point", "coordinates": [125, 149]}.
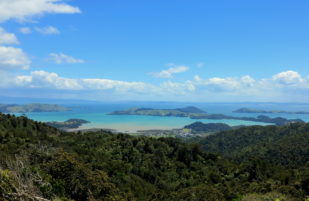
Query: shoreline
{"type": "Point", "coordinates": [122, 128]}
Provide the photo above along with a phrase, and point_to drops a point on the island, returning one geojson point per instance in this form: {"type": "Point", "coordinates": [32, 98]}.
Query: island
{"type": "Point", "coordinates": [178, 112]}
{"type": "Point", "coordinates": [34, 107]}
{"type": "Point", "coordinates": [196, 113]}
{"type": "Point", "coordinates": [68, 124]}
{"type": "Point", "coordinates": [250, 110]}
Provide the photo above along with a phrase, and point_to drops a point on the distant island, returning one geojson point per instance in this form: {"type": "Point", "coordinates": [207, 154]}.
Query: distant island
{"type": "Point", "coordinates": [178, 112]}
{"type": "Point", "coordinates": [34, 107]}
{"type": "Point", "coordinates": [250, 110]}
{"type": "Point", "coordinates": [69, 124]}
{"type": "Point", "coordinates": [196, 113]}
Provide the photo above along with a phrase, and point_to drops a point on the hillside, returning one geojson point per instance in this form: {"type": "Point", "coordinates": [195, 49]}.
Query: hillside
{"type": "Point", "coordinates": [210, 127]}
{"type": "Point", "coordinates": [286, 145]}
{"type": "Point", "coordinates": [38, 161]}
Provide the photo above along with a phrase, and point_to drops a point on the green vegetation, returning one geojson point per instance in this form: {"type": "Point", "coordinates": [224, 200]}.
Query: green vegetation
{"type": "Point", "coordinates": [285, 145]}
{"type": "Point", "coordinates": [38, 161]}
{"type": "Point", "coordinates": [68, 124]}
{"type": "Point", "coordinates": [34, 107]}
{"type": "Point", "coordinates": [249, 110]}
{"type": "Point", "coordinates": [199, 127]}
{"type": "Point", "coordinates": [195, 113]}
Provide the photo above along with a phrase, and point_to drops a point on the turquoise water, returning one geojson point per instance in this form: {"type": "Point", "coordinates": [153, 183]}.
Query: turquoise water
{"type": "Point", "coordinates": [97, 115]}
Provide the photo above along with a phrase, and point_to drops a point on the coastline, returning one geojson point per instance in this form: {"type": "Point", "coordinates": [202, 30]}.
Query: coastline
{"type": "Point", "coordinates": [121, 127]}
{"type": "Point", "coordinates": [132, 127]}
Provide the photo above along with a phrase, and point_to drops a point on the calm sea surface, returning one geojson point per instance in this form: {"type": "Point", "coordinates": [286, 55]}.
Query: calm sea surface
{"type": "Point", "coordinates": [97, 114]}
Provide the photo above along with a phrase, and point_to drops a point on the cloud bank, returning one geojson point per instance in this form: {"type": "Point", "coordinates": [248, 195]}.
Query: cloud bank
{"type": "Point", "coordinates": [284, 86]}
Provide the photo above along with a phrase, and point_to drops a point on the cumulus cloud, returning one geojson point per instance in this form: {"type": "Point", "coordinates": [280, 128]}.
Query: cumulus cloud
{"type": "Point", "coordinates": [7, 38]}
{"type": "Point", "coordinates": [25, 30]}
{"type": "Point", "coordinates": [288, 78]}
{"type": "Point", "coordinates": [60, 58]}
{"type": "Point", "coordinates": [25, 10]}
{"type": "Point", "coordinates": [178, 88]}
{"type": "Point", "coordinates": [43, 79]}
{"type": "Point", "coordinates": [50, 80]}
{"type": "Point", "coordinates": [13, 58]}
{"type": "Point", "coordinates": [120, 86]}
{"type": "Point", "coordinates": [224, 84]}
{"type": "Point", "coordinates": [248, 81]}
{"type": "Point", "coordinates": [168, 73]}
{"type": "Point", "coordinates": [48, 30]}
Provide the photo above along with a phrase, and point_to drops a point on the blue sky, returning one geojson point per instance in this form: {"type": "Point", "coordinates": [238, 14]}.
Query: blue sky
{"type": "Point", "coordinates": [167, 50]}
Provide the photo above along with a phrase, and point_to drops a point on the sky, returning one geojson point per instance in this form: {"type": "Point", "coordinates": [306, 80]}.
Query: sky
{"type": "Point", "coordinates": [155, 50]}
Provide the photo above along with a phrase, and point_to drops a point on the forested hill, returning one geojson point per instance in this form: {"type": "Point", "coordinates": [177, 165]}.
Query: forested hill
{"type": "Point", "coordinates": [285, 145]}
{"type": "Point", "coordinates": [38, 162]}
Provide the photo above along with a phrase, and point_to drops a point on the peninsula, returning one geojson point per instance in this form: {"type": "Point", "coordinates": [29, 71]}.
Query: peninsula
{"type": "Point", "coordinates": [178, 112]}
{"type": "Point", "coordinates": [250, 110]}
{"type": "Point", "coordinates": [196, 113]}
{"type": "Point", "coordinates": [68, 124]}
{"type": "Point", "coordinates": [34, 107]}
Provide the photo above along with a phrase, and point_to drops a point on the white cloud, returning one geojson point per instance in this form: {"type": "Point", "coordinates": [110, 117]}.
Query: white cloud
{"type": "Point", "coordinates": [248, 81]}
{"type": "Point", "coordinates": [177, 87]}
{"type": "Point", "coordinates": [169, 72]}
{"type": "Point", "coordinates": [61, 58]}
{"type": "Point", "coordinates": [43, 79]}
{"type": "Point", "coordinates": [25, 10]}
{"type": "Point", "coordinates": [105, 84]}
{"type": "Point", "coordinates": [227, 84]}
{"type": "Point", "coordinates": [288, 78]}
{"type": "Point", "coordinates": [13, 58]}
{"type": "Point", "coordinates": [49, 30]}
{"type": "Point", "coordinates": [7, 38]}
{"type": "Point", "coordinates": [25, 30]}
{"type": "Point", "coordinates": [224, 84]}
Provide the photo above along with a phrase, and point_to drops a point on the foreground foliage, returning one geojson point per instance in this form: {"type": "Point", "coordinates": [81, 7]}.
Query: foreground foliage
{"type": "Point", "coordinates": [39, 162]}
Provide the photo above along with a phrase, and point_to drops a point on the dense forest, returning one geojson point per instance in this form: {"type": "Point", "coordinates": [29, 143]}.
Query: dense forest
{"type": "Point", "coordinates": [198, 126]}
{"type": "Point", "coordinates": [284, 145]}
{"type": "Point", "coordinates": [39, 162]}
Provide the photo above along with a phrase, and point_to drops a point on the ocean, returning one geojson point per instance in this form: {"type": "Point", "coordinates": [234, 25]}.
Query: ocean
{"type": "Point", "coordinates": [97, 114]}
